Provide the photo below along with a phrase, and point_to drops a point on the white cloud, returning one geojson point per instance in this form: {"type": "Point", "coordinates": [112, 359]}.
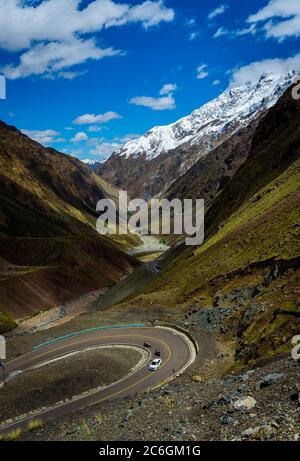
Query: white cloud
{"type": "Point", "coordinates": [168, 88]}
{"type": "Point", "coordinates": [57, 20]}
{"type": "Point", "coordinates": [165, 102]}
{"type": "Point", "coordinates": [129, 137]}
{"type": "Point", "coordinates": [105, 149]}
{"type": "Point", "coordinates": [49, 33]}
{"type": "Point", "coordinates": [150, 13]}
{"type": "Point", "coordinates": [253, 71]}
{"type": "Point", "coordinates": [92, 119]}
{"type": "Point", "coordinates": [69, 75]}
{"type": "Point", "coordinates": [217, 11]}
{"type": "Point", "coordinates": [248, 30]}
{"type": "Point", "coordinates": [221, 32]}
{"type": "Point", "coordinates": [216, 82]}
{"type": "Point", "coordinates": [94, 128]}
{"type": "Point", "coordinates": [44, 137]}
{"type": "Point", "coordinates": [79, 137]}
{"type": "Point", "coordinates": [124, 139]}
{"type": "Point", "coordinates": [74, 153]}
{"type": "Point", "coordinates": [52, 57]}
{"type": "Point", "coordinates": [193, 36]}
{"type": "Point", "coordinates": [202, 72]}
{"type": "Point", "coordinates": [281, 18]}
{"type": "Point", "coordinates": [190, 22]}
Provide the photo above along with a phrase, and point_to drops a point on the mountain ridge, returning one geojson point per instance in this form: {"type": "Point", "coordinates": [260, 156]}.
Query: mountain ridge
{"type": "Point", "coordinates": [233, 103]}
{"type": "Point", "coordinates": [148, 165]}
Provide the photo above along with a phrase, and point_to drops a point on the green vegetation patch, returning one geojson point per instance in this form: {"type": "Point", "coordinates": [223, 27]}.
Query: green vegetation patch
{"type": "Point", "coordinates": [7, 323]}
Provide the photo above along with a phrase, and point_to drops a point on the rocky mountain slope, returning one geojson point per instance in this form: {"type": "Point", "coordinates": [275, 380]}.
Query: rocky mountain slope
{"type": "Point", "coordinates": [148, 165]}
{"type": "Point", "coordinates": [211, 174]}
{"type": "Point", "coordinates": [49, 249]}
{"type": "Point", "coordinates": [245, 278]}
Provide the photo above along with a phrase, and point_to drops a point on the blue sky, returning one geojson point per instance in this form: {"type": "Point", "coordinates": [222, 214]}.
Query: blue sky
{"type": "Point", "coordinates": [85, 76]}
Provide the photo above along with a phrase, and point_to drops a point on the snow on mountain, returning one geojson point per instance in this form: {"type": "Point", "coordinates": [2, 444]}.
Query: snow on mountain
{"type": "Point", "coordinates": [92, 163]}
{"type": "Point", "coordinates": [89, 161]}
{"type": "Point", "coordinates": [233, 109]}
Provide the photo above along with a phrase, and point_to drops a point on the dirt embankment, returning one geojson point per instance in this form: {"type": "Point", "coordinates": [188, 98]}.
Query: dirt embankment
{"type": "Point", "coordinates": [65, 378]}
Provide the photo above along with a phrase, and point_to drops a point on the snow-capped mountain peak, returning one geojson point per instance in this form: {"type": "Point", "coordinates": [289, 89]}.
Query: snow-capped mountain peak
{"type": "Point", "coordinates": [233, 109]}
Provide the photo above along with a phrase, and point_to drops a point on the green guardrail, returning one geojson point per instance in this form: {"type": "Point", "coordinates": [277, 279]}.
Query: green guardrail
{"type": "Point", "coordinates": [77, 333]}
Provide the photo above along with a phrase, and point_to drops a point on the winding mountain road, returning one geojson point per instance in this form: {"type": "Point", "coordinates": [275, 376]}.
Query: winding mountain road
{"type": "Point", "coordinates": [177, 353]}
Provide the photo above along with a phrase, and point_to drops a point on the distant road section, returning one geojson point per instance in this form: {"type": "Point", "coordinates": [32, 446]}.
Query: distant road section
{"type": "Point", "coordinates": [150, 245]}
{"type": "Point", "coordinates": [177, 353]}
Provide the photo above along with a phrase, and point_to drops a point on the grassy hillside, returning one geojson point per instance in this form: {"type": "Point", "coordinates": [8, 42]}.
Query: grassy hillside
{"type": "Point", "coordinates": [249, 261]}
{"type": "Point", "coordinates": [50, 250]}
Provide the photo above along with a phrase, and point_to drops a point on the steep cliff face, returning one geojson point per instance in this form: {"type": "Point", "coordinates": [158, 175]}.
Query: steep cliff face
{"type": "Point", "coordinates": [212, 173]}
{"type": "Point", "coordinates": [148, 165]}
{"type": "Point", "coordinates": [49, 249]}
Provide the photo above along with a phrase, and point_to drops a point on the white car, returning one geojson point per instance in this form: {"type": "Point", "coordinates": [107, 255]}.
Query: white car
{"type": "Point", "coordinates": [155, 364]}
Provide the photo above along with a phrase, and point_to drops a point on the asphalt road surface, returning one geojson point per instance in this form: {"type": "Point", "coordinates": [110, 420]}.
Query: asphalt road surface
{"type": "Point", "coordinates": [176, 350]}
